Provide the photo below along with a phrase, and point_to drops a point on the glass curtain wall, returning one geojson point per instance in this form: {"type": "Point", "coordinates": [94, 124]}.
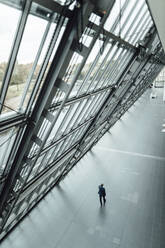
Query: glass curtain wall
{"type": "Point", "coordinates": [68, 73]}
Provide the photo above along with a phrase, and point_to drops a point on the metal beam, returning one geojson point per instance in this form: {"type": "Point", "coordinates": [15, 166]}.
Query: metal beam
{"type": "Point", "coordinates": [54, 7]}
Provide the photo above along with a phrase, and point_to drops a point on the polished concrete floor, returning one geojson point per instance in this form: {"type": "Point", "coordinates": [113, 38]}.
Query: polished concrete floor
{"type": "Point", "coordinates": [130, 161]}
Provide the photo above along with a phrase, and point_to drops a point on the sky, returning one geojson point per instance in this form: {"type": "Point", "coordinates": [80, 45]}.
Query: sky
{"type": "Point", "coordinates": [9, 18]}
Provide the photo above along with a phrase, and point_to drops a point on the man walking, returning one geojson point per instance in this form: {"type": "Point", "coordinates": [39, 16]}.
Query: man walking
{"type": "Point", "coordinates": [102, 194]}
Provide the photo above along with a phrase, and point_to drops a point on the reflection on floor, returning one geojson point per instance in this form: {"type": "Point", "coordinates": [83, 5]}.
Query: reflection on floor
{"type": "Point", "coordinates": [130, 161]}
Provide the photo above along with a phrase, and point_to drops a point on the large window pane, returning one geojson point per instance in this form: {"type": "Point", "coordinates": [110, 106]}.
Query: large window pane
{"type": "Point", "coordinates": [9, 18]}
{"type": "Point", "coordinates": [6, 141]}
{"type": "Point", "coordinates": [30, 42]}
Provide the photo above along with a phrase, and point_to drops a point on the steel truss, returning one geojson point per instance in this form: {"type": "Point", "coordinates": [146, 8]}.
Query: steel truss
{"type": "Point", "coordinates": [94, 77]}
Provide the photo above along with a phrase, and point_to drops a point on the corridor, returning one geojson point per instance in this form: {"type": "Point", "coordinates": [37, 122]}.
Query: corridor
{"type": "Point", "coordinates": [130, 161]}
